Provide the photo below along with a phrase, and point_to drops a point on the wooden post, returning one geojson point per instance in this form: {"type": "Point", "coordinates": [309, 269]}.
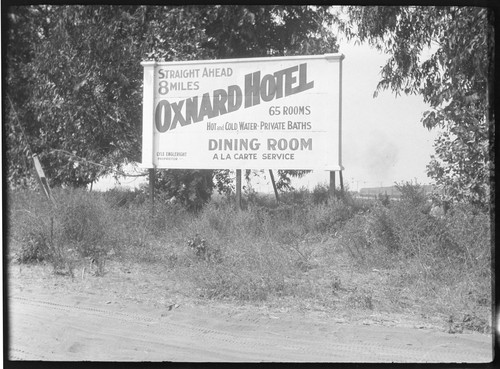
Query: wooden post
{"type": "Point", "coordinates": [274, 185]}
{"type": "Point", "coordinates": [45, 188]}
{"type": "Point", "coordinates": [42, 180]}
{"type": "Point", "coordinates": [152, 189]}
{"type": "Point", "coordinates": [238, 189]}
{"type": "Point", "coordinates": [332, 183]}
{"type": "Point", "coordinates": [341, 181]}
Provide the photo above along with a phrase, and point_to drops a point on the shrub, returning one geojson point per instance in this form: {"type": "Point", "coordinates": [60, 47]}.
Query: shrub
{"type": "Point", "coordinates": [413, 194]}
{"type": "Point", "coordinates": [353, 237]}
{"type": "Point", "coordinates": [31, 230]}
{"type": "Point", "coordinates": [383, 199]}
{"type": "Point", "coordinates": [192, 188]}
{"type": "Point", "coordinates": [35, 248]}
{"type": "Point", "coordinates": [418, 233]}
{"type": "Point", "coordinates": [296, 197]}
{"type": "Point", "coordinates": [328, 218]}
{"type": "Point", "coordinates": [117, 197]}
{"type": "Point", "coordinates": [203, 250]}
{"type": "Point", "coordinates": [74, 228]}
{"type": "Point", "coordinates": [380, 229]}
{"type": "Point", "coordinates": [400, 228]}
{"type": "Point", "coordinates": [320, 194]}
{"type": "Point", "coordinates": [470, 231]}
{"type": "Point", "coordinates": [369, 237]}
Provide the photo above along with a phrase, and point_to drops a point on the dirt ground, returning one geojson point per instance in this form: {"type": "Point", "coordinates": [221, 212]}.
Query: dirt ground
{"type": "Point", "coordinates": [134, 314]}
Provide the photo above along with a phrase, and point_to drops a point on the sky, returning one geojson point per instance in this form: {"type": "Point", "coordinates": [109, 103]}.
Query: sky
{"type": "Point", "coordinates": [383, 140]}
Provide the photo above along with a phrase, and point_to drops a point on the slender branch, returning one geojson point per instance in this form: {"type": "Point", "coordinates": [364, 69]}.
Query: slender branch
{"type": "Point", "coordinates": [98, 164]}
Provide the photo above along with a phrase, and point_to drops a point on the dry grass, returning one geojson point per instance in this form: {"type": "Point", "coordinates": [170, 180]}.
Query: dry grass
{"type": "Point", "coordinates": [339, 256]}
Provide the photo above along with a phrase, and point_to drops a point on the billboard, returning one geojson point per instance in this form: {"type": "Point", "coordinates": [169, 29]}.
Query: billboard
{"type": "Point", "coordinates": [253, 113]}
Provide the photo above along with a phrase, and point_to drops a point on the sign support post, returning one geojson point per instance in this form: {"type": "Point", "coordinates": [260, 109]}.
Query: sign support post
{"type": "Point", "coordinates": [274, 185]}
{"type": "Point", "coordinates": [332, 183]}
{"type": "Point", "coordinates": [42, 180]}
{"type": "Point", "coordinates": [238, 189]}
{"type": "Point", "coordinates": [152, 189]}
{"type": "Point", "coordinates": [45, 188]}
{"type": "Point", "coordinates": [332, 173]}
{"type": "Point", "coordinates": [148, 132]}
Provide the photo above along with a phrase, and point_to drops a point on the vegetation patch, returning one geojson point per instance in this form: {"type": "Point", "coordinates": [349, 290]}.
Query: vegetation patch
{"type": "Point", "coordinates": [342, 254]}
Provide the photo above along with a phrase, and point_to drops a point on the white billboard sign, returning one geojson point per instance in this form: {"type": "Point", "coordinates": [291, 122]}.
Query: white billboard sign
{"type": "Point", "coordinates": [254, 113]}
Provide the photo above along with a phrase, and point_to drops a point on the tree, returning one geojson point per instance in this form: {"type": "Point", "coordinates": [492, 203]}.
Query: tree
{"type": "Point", "coordinates": [455, 80]}
{"type": "Point", "coordinates": [80, 89]}
{"type": "Point", "coordinates": [75, 80]}
{"type": "Point", "coordinates": [18, 85]}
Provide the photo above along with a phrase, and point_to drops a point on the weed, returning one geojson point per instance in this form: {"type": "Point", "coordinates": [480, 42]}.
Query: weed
{"type": "Point", "coordinates": [353, 238]}
{"type": "Point", "coordinates": [34, 248]}
{"type": "Point", "coordinates": [335, 284]}
{"type": "Point", "coordinates": [328, 218]}
{"type": "Point", "coordinates": [470, 322]}
{"type": "Point", "coordinates": [474, 323]}
{"type": "Point", "coordinates": [360, 299]}
{"type": "Point", "coordinates": [203, 251]}
{"type": "Point", "coordinates": [34, 233]}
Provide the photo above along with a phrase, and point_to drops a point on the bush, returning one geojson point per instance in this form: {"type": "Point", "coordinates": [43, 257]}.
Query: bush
{"type": "Point", "coordinates": [202, 250]}
{"type": "Point", "coordinates": [320, 194]}
{"type": "Point", "coordinates": [401, 230]}
{"type": "Point", "coordinates": [369, 237]}
{"type": "Point", "coordinates": [30, 230]}
{"type": "Point", "coordinates": [416, 233]}
{"type": "Point", "coordinates": [380, 231]}
{"type": "Point", "coordinates": [413, 194]}
{"type": "Point", "coordinates": [191, 188]}
{"type": "Point", "coordinates": [35, 248]}
{"type": "Point", "coordinates": [117, 197]}
{"type": "Point", "coordinates": [470, 231]}
{"type": "Point", "coordinates": [72, 229]}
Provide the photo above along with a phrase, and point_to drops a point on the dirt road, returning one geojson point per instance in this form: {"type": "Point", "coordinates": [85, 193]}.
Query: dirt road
{"type": "Point", "coordinates": [84, 326]}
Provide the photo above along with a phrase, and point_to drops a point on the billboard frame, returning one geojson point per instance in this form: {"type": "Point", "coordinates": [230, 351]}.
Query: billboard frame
{"type": "Point", "coordinates": [148, 128]}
